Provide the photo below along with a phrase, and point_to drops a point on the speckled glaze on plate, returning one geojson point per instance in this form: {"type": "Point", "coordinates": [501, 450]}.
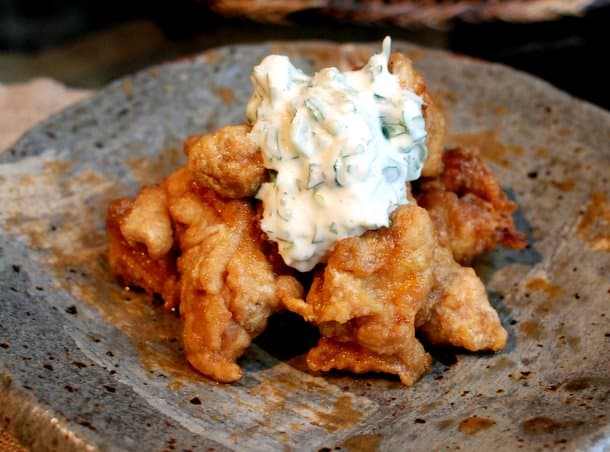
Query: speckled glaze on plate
{"type": "Point", "coordinates": [86, 364]}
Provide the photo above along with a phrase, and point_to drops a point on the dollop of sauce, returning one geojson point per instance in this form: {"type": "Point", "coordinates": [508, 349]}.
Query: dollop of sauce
{"type": "Point", "coordinates": [340, 147]}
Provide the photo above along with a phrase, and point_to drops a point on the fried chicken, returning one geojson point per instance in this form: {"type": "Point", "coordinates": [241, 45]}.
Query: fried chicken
{"type": "Point", "coordinates": [226, 161]}
{"type": "Point", "coordinates": [458, 312]}
{"type": "Point", "coordinates": [147, 222]}
{"type": "Point", "coordinates": [377, 289]}
{"type": "Point", "coordinates": [366, 299]}
{"type": "Point", "coordinates": [139, 255]}
{"type": "Point", "coordinates": [225, 285]}
{"type": "Point", "coordinates": [468, 207]}
{"type": "Point", "coordinates": [228, 287]}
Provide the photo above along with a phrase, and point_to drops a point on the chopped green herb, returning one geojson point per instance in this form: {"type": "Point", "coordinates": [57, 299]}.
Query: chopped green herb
{"type": "Point", "coordinates": [391, 130]}
{"type": "Point", "coordinates": [315, 240]}
{"type": "Point", "coordinates": [419, 119]}
{"type": "Point", "coordinates": [299, 184]}
{"type": "Point", "coordinates": [269, 87]}
{"type": "Point", "coordinates": [315, 176]}
{"type": "Point", "coordinates": [337, 168]}
{"type": "Point", "coordinates": [286, 244]}
{"type": "Point", "coordinates": [316, 187]}
{"type": "Point", "coordinates": [319, 198]}
{"type": "Point", "coordinates": [282, 216]}
{"type": "Point", "coordinates": [375, 69]}
{"type": "Point", "coordinates": [277, 142]}
{"type": "Point", "coordinates": [391, 173]}
{"type": "Point", "coordinates": [420, 145]}
{"type": "Point", "coordinates": [272, 175]}
{"type": "Point", "coordinates": [314, 108]}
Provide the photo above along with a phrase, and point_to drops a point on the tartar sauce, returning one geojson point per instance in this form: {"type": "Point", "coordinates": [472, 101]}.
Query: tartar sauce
{"type": "Point", "coordinates": [340, 147]}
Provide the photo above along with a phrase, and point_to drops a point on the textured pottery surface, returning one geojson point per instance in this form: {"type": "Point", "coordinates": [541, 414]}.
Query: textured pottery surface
{"type": "Point", "coordinates": [85, 363]}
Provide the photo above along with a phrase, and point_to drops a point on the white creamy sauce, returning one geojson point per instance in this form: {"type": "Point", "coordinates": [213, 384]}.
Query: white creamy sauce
{"type": "Point", "coordinates": [340, 147]}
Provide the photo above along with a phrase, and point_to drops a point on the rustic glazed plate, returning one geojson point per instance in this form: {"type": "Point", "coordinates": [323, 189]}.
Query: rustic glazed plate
{"type": "Point", "coordinates": [84, 363]}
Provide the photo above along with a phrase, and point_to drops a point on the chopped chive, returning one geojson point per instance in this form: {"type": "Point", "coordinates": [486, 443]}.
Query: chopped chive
{"type": "Point", "coordinates": [318, 197]}
{"type": "Point", "coordinates": [391, 130]}
{"type": "Point", "coordinates": [277, 142]}
{"type": "Point", "coordinates": [288, 244]}
{"type": "Point", "coordinates": [315, 176]}
{"type": "Point", "coordinates": [299, 183]}
{"type": "Point", "coordinates": [333, 228]}
{"type": "Point", "coordinates": [285, 218]}
{"type": "Point", "coordinates": [419, 144]}
{"type": "Point", "coordinates": [336, 168]}
{"type": "Point", "coordinates": [314, 109]}
{"type": "Point", "coordinates": [385, 131]}
{"type": "Point", "coordinates": [316, 187]}
{"type": "Point", "coordinates": [391, 173]}
{"type": "Point", "coordinates": [314, 240]}
{"type": "Point", "coordinates": [272, 175]}
{"type": "Point", "coordinates": [376, 69]}
{"type": "Point", "coordinates": [269, 87]}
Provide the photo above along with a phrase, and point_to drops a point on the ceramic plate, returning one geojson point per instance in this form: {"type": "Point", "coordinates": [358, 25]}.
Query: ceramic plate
{"type": "Point", "coordinates": [85, 363]}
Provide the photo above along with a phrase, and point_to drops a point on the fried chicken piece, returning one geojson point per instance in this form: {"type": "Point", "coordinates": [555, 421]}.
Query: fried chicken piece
{"type": "Point", "coordinates": [435, 141]}
{"type": "Point", "coordinates": [148, 222]}
{"type": "Point", "coordinates": [366, 299]}
{"type": "Point", "coordinates": [402, 66]}
{"type": "Point", "coordinates": [226, 161]}
{"type": "Point", "coordinates": [458, 311]}
{"type": "Point", "coordinates": [228, 287]}
{"type": "Point", "coordinates": [468, 207]}
{"type": "Point", "coordinates": [142, 256]}
{"type": "Point", "coordinates": [331, 354]}
{"type": "Point", "coordinates": [409, 78]}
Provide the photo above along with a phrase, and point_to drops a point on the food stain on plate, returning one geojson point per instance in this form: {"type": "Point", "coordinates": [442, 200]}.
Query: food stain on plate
{"type": "Point", "coordinates": [147, 170]}
{"type": "Point", "coordinates": [544, 285]}
{"type": "Point", "coordinates": [475, 424]}
{"type": "Point", "coordinates": [365, 442]}
{"type": "Point", "coordinates": [225, 93]}
{"type": "Point", "coordinates": [594, 226]}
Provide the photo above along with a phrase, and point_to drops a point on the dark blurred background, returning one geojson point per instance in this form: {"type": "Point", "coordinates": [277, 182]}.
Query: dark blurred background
{"type": "Point", "coordinates": [88, 43]}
